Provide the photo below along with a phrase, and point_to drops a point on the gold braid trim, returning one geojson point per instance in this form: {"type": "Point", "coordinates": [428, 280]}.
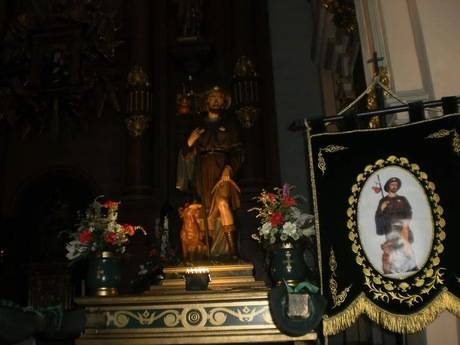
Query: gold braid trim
{"type": "Point", "coordinates": [398, 323]}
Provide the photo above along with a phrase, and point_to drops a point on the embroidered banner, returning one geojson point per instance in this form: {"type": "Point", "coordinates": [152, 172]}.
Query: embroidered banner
{"type": "Point", "coordinates": [387, 207]}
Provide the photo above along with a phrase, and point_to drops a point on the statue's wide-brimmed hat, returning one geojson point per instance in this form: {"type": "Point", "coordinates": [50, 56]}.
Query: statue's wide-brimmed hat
{"type": "Point", "coordinates": [393, 179]}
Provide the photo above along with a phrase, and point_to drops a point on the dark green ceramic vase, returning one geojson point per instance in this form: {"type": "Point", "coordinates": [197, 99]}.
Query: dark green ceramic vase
{"type": "Point", "coordinates": [287, 263]}
{"type": "Point", "coordinates": [104, 276]}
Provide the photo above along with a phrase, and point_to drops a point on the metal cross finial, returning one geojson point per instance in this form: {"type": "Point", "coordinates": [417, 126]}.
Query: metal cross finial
{"type": "Point", "coordinates": [375, 61]}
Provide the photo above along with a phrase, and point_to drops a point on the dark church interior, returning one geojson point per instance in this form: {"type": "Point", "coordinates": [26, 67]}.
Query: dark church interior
{"type": "Point", "coordinates": [98, 97]}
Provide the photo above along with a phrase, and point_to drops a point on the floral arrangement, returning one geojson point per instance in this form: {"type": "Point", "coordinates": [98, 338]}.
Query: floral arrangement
{"type": "Point", "coordinates": [282, 221]}
{"type": "Point", "coordinates": [98, 230]}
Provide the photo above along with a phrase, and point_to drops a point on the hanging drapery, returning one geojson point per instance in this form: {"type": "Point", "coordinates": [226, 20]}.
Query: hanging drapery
{"type": "Point", "coordinates": [387, 212]}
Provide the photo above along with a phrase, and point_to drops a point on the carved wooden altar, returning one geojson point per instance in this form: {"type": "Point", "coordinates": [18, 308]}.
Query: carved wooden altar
{"type": "Point", "coordinates": [172, 315]}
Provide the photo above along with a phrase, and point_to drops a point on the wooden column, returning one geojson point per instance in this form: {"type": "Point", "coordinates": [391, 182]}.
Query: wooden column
{"type": "Point", "coordinates": [139, 167]}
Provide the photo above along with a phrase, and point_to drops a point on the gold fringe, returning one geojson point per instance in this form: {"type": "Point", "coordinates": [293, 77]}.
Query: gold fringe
{"type": "Point", "coordinates": [398, 323]}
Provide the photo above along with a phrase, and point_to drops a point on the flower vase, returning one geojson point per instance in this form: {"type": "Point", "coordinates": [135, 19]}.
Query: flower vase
{"type": "Point", "coordinates": [103, 278]}
{"type": "Point", "coordinates": [287, 263]}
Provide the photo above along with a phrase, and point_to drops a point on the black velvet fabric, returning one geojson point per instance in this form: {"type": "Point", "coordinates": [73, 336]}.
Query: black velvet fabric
{"type": "Point", "coordinates": [360, 148]}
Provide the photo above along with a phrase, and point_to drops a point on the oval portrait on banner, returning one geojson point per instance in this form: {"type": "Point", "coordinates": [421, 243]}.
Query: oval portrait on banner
{"type": "Point", "coordinates": [395, 222]}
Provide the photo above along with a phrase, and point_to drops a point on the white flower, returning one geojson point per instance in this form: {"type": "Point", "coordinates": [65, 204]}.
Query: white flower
{"type": "Point", "coordinates": [289, 229]}
{"type": "Point", "coordinates": [265, 228]}
{"type": "Point", "coordinates": [74, 249]}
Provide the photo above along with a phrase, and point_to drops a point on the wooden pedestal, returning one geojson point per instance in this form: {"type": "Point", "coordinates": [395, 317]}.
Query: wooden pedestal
{"type": "Point", "coordinates": [169, 314]}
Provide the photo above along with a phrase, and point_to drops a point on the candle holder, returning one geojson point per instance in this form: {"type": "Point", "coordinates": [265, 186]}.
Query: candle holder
{"type": "Point", "coordinates": [197, 279]}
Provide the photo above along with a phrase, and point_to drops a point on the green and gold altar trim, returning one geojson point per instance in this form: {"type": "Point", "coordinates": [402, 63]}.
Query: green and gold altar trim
{"type": "Point", "coordinates": [198, 317]}
{"type": "Point", "coordinates": [398, 323]}
{"type": "Point", "coordinates": [173, 316]}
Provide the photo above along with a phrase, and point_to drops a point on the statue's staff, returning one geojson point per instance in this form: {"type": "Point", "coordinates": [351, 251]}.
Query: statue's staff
{"type": "Point", "coordinates": [380, 186]}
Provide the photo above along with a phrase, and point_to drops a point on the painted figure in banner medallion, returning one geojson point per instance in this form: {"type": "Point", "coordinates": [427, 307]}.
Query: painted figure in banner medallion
{"type": "Point", "coordinates": [206, 165]}
{"type": "Point", "coordinates": [392, 219]}
{"type": "Point", "coordinates": [395, 222]}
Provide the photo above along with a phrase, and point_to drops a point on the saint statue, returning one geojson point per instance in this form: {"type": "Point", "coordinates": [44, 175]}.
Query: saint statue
{"type": "Point", "coordinates": [206, 165]}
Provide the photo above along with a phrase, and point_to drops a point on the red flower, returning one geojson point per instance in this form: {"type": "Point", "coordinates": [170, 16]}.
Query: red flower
{"type": "Point", "coordinates": [271, 197]}
{"type": "Point", "coordinates": [276, 219]}
{"type": "Point", "coordinates": [86, 236]}
{"type": "Point", "coordinates": [110, 237]}
{"type": "Point", "coordinates": [376, 189]}
{"type": "Point", "coordinates": [111, 204]}
{"type": "Point", "coordinates": [288, 201]}
{"type": "Point", "coordinates": [129, 229]}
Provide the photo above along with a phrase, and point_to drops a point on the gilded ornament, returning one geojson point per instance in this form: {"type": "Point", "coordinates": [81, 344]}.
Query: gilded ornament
{"type": "Point", "coordinates": [404, 161]}
{"type": "Point", "coordinates": [440, 248]}
{"type": "Point", "coordinates": [380, 163]}
{"type": "Point", "coordinates": [377, 280]}
{"type": "Point", "coordinates": [404, 286]}
{"type": "Point", "coordinates": [327, 149]}
{"type": "Point", "coordinates": [429, 273]}
{"type": "Point", "coordinates": [414, 167]}
{"type": "Point", "coordinates": [351, 200]}
{"type": "Point", "coordinates": [392, 159]}
{"type": "Point", "coordinates": [137, 124]}
{"type": "Point", "coordinates": [439, 211]}
{"type": "Point", "coordinates": [456, 142]}
{"type": "Point", "coordinates": [137, 77]}
{"type": "Point", "coordinates": [369, 168]}
{"type": "Point", "coordinates": [389, 286]}
{"type": "Point", "coordinates": [352, 236]}
{"type": "Point", "coordinates": [439, 134]}
{"type": "Point", "coordinates": [350, 224]}
{"type": "Point", "coordinates": [442, 133]}
{"type": "Point", "coordinates": [338, 298]}
{"type": "Point", "coordinates": [442, 235]}
{"type": "Point", "coordinates": [355, 247]}
{"type": "Point", "coordinates": [419, 282]}
{"type": "Point", "coordinates": [350, 212]}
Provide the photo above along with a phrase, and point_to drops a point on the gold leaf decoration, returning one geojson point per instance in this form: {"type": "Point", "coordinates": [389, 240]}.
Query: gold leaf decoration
{"type": "Point", "coordinates": [327, 149]}
{"type": "Point", "coordinates": [442, 133]}
{"type": "Point", "coordinates": [338, 298]}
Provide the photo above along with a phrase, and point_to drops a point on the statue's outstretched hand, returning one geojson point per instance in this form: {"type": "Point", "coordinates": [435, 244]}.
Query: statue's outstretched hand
{"type": "Point", "coordinates": [193, 137]}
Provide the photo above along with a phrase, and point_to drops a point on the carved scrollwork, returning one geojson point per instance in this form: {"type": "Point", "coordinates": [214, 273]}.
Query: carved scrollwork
{"type": "Point", "coordinates": [190, 317]}
{"type": "Point", "coordinates": [121, 319]}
